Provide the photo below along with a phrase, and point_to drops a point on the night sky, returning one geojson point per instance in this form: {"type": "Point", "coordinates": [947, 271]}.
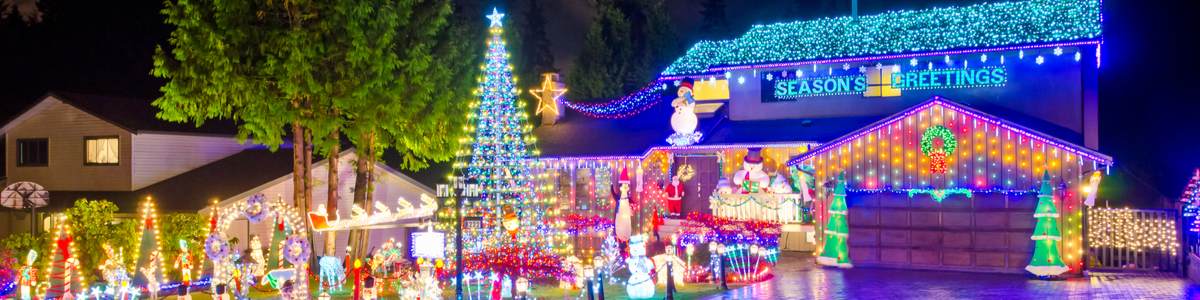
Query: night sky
{"type": "Point", "coordinates": [1148, 116]}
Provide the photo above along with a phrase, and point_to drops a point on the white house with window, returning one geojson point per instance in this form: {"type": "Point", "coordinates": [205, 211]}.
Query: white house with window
{"type": "Point", "coordinates": [111, 148]}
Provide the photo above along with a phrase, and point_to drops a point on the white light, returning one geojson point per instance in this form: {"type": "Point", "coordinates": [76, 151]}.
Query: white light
{"type": "Point", "coordinates": [1021, 54]}
{"type": "Point", "coordinates": [728, 74]}
{"type": "Point", "coordinates": [947, 59]}
{"type": "Point", "coordinates": [741, 79]}
{"type": "Point", "coordinates": [799, 73]}
{"type": "Point", "coordinates": [912, 62]}
{"type": "Point", "coordinates": [1058, 51]}
{"type": "Point", "coordinates": [983, 57]}
{"type": "Point", "coordinates": [1040, 60]}
{"type": "Point", "coordinates": [1078, 55]}
{"type": "Point", "coordinates": [845, 67]}
{"type": "Point", "coordinates": [770, 77]}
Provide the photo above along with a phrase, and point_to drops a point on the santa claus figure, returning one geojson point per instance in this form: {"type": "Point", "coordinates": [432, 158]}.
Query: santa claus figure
{"type": "Point", "coordinates": [751, 178]}
{"type": "Point", "coordinates": [624, 213]}
{"type": "Point", "coordinates": [674, 192]}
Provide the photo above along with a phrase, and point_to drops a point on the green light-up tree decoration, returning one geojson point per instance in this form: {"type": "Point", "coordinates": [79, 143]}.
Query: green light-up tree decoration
{"type": "Point", "coordinates": [835, 253]}
{"type": "Point", "coordinates": [496, 156]}
{"type": "Point", "coordinates": [1047, 256]}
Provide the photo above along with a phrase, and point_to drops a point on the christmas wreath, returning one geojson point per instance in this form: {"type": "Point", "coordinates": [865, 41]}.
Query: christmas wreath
{"type": "Point", "coordinates": [937, 157]}
{"type": "Point", "coordinates": [256, 208]}
{"type": "Point", "coordinates": [215, 247]}
{"type": "Point", "coordinates": [296, 250]}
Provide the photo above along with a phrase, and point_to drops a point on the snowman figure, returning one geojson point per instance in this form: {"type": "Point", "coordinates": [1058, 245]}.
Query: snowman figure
{"type": "Point", "coordinates": [684, 120]}
{"type": "Point", "coordinates": [640, 284]}
{"type": "Point", "coordinates": [751, 178]}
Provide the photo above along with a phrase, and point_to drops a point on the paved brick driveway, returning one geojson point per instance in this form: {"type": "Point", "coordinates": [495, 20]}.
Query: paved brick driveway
{"type": "Point", "coordinates": [798, 278]}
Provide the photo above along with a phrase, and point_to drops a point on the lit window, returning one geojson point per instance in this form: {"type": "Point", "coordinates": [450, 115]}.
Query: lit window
{"type": "Point", "coordinates": [102, 151]}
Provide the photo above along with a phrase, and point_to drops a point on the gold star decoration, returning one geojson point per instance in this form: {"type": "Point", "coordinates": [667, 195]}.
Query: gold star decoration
{"type": "Point", "coordinates": [548, 95]}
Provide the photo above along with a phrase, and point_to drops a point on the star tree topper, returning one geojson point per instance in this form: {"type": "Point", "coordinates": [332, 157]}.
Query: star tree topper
{"type": "Point", "coordinates": [548, 95]}
{"type": "Point", "coordinates": [495, 17]}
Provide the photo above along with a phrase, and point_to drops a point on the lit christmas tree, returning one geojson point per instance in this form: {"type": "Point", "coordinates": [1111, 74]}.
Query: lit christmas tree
{"type": "Point", "coordinates": [148, 271]}
{"type": "Point", "coordinates": [517, 237]}
{"type": "Point", "coordinates": [837, 231]}
{"type": "Point", "coordinates": [1191, 207]}
{"type": "Point", "coordinates": [1047, 257]}
{"type": "Point", "coordinates": [63, 263]}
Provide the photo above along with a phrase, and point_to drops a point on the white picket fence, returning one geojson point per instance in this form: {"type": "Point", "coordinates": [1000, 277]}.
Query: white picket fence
{"type": "Point", "coordinates": [781, 208]}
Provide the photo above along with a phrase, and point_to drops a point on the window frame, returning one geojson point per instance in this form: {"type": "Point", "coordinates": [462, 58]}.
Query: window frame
{"type": "Point", "coordinates": [101, 137]}
{"type": "Point", "coordinates": [21, 162]}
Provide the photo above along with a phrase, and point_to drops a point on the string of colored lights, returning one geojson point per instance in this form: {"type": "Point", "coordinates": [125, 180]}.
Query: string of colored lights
{"type": "Point", "coordinates": [986, 25]}
{"type": "Point", "coordinates": [1191, 206]}
{"type": "Point", "coordinates": [624, 107]}
{"type": "Point", "coordinates": [994, 154]}
{"type": "Point", "coordinates": [517, 236]}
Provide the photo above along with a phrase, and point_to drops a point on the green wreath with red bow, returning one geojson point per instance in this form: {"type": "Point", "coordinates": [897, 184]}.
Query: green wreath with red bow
{"type": "Point", "coordinates": [937, 157]}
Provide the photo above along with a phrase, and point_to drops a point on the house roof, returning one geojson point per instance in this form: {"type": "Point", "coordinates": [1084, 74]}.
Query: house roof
{"type": "Point", "coordinates": [939, 101]}
{"type": "Point", "coordinates": [195, 189]}
{"type": "Point", "coordinates": [223, 179]}
{"type": "Point", "coordinates": [979, 26]}
{"type": "Point", "coordinates": [132, 114]}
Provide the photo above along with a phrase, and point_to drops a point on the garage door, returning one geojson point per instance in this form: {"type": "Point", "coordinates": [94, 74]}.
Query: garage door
{"type": "Point", "coordinates": [986, 233]}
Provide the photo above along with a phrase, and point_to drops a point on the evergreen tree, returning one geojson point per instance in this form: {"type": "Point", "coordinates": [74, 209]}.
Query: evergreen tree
{"type": "Point", "coordinates": [714, 25]}
{"type": "Point", "coordinates": [1047, 256]}
{"type": "Point", "coordinates": [601, 67]}
{"type": "Point", "coordinates": [837, 230]}
{"type": "Point", "coordinates": [652, 38]}
{"type": "Point", "coordinates": [518, 239]}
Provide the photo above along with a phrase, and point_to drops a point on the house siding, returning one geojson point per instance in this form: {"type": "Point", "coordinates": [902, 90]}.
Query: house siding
{"type": "Point", "coordinates": [158, 156]}
{"type": "Point", "coordinates": [389, 188]}
{"type": "Point", "coordinates": [66, 127]}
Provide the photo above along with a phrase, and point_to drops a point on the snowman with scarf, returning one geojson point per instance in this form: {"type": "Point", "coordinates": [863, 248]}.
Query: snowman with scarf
{"type": "Point", "coordinates": [751, 178]}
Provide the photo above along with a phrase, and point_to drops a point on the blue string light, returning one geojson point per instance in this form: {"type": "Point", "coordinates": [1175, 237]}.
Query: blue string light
{"type": "Point", "coordinates": [974, 26]}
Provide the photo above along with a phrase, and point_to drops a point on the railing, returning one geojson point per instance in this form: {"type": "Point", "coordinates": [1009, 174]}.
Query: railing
{"type": "Point", "coordinates": [1133, 239]}
{"type": "Point", "coordinates": [782, 208]}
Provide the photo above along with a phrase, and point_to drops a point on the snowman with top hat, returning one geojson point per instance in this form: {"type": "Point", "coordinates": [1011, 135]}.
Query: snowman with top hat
{"type": "Point", "coordinates": [751, 178]}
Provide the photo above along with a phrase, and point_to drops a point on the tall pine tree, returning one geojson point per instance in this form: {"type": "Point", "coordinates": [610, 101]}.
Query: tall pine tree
{"type": "Point", "coordinates": [600, 69]}
{"type": "Point", "coordinates": [517, 238]}
{"type": "Point", "coordinates": [714, 25]}
{"type": "Point", "coordinates": [1047, 255]}
{"type": "Point", "coordinates": [837, 231]}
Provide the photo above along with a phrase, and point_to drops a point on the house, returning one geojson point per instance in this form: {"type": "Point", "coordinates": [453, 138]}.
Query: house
{"type": "Point", "coordinates": [777, 101]}
{"type": "Point", "coordinates": [113, 148]}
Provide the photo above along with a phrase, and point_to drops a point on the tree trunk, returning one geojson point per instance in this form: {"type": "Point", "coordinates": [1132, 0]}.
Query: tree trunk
{"type": "Point", "coordinates": [308, 168]}
{"type": "Point", "coordinates": [362, 190]}
{"type": "Point", "coordinates": [298, 169]}
{"type": "Point", "coordinates": [331, 201]}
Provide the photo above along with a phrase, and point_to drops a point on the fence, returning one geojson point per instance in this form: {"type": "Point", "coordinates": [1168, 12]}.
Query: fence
{"type": "Point", "coordinates": [781, 208]}
{"type": "Point", "coordinates": [1133, 239]}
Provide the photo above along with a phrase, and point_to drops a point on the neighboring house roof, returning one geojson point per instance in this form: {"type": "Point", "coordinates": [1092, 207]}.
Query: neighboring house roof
{"type": "Point", "coordinates": [132, 114]}
{"type": "Point", "coordinates": [228, 178]}
{"type": "Point", "coordinates": [979, 26]}
{"type": "Point", "coordinates": [196, 188]}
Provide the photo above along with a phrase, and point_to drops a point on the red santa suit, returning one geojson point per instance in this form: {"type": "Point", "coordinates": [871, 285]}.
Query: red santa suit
{"type": "Point", "coordinates": [674, 197]}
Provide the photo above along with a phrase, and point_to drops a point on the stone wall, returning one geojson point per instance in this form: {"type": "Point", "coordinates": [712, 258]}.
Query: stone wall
{"type": "Point", "coordinates": [988, 233]}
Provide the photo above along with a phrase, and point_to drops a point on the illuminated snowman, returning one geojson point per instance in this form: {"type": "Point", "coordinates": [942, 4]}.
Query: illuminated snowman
{"type": "Point", "coordinates": [751, 178]}
{"type": "Point", "coordinates": [640, 284]}
{"type": "Point", "coordinates": [684, 120]}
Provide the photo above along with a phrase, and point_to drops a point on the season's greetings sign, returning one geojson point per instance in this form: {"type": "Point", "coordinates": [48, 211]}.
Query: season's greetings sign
{"type": "Point", "coordinates": [879, 81]}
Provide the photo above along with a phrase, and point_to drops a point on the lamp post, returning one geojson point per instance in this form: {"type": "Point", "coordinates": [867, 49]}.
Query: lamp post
{"type": "Point", "coordinates": [587, 272]}
{"type": "Point", "coordinates": [599, 261]}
